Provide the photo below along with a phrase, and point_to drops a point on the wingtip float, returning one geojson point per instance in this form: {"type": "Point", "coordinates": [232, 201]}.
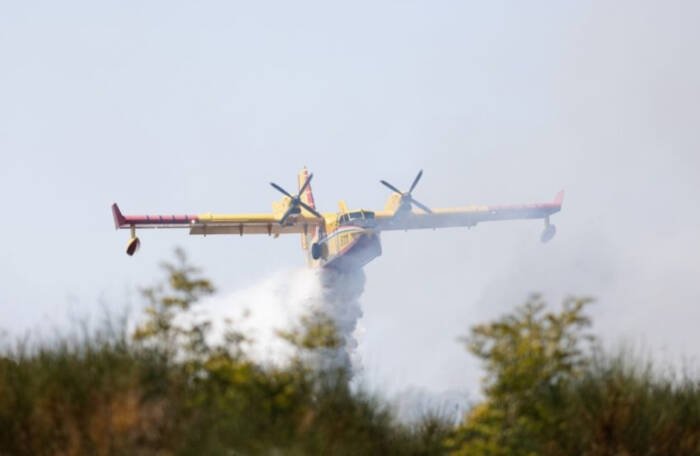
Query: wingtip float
{"type": "Point", "coordinates": [345, 239]}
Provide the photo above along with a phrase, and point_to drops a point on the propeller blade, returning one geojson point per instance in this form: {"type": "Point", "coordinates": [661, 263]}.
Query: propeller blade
{"type": "Point", "coordinates": [415, 181]}
{"type": "Point", "coordinates": [391, 187]}
{"type": "Point", "coordinates": [286, 214]}
{"type": "Point", "coordinates": [422, 206]}
{"type": "Point", "coordinates": [407, 200]}
{"type": "Point", "coordinates": [281, 190]}
{"type": "Point", "coordinates": [306, 184]}
{"type": "Point", "coordinates": [310, 209]}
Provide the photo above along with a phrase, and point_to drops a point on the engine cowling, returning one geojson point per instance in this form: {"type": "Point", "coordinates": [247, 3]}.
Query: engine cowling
{"type": "Point", "coordinates": [133, 245]}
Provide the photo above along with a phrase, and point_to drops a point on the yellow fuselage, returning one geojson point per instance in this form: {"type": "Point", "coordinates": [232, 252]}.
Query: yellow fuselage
{"type": "Point", "coordinates": [345, 241]}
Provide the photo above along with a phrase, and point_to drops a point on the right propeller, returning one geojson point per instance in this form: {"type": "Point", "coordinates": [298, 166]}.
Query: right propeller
{"type": "Point", "coordinates": [407, 199]}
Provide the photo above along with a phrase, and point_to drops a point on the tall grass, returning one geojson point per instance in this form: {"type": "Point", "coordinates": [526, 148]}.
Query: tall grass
{"type": "Point", "coordinates": [108, 395]}
{"type": "Point", "coordinates": [622, 405]}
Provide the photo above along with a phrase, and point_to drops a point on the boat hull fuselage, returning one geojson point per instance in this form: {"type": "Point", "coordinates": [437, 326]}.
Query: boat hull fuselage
{"type": "Point", "coordinates": [348, 248]}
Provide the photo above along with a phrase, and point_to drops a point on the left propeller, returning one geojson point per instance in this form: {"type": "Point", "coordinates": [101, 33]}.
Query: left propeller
{"type": "Point", "coordinates": [296, 203]}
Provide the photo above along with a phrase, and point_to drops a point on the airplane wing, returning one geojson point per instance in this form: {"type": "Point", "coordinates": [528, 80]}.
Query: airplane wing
{"type": "Point", "coordinates": [208, 223]}
{"type": "Point", "coordinates": [465, 216]}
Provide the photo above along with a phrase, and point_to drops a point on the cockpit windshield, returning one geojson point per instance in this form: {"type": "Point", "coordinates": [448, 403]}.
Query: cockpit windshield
{"type": "Point", "coordinates": [359, 218]}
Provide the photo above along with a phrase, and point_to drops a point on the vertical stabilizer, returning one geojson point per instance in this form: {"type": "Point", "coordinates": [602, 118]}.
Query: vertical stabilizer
{"type": "Point", "coordinates": [308, 198]}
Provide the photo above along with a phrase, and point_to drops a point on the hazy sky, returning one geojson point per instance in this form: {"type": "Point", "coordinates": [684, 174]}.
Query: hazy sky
{"type": "Point", "coordinates": [170, 106]}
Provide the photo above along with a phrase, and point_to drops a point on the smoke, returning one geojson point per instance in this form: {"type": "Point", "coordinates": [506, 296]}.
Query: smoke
{"type": "Point", "coordinates": [279, 302]}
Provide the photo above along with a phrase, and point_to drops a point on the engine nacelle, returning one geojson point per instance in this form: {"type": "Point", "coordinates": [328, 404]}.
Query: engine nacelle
{"type": "Point", "coordinates": [319, 250]}
{"type": "Point", "coordinates": [133, 245]}
{"type": "Point", "coordinates": [548, 233]}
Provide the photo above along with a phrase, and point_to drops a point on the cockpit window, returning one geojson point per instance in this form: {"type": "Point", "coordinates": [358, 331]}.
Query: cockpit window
{"type": "Point", "coordinates": [356, 217]}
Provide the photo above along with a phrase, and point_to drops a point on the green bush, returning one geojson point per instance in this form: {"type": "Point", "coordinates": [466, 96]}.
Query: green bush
{"type": "Point", "coordinates": [550, 390]}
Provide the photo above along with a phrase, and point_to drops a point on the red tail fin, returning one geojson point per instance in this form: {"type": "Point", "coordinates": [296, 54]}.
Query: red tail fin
{"type": "Point", "coordinates": [119, 219]}
{"type": "Point", "coordinates": [559, 199]}
{"type": "Point", "coordinates": [308, 198]}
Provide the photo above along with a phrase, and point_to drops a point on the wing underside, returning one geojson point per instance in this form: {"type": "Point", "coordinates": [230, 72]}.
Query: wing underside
{"type": "Point", "coordinates": [272, 228]}
{"type": "Point", "coordinates": [465, 216]}
{"type": "Point", "coordinates": [209, 224]}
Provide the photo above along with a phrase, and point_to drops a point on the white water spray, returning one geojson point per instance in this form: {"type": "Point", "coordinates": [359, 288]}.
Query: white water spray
{"type": "Point", "coordinates": [278, 302]}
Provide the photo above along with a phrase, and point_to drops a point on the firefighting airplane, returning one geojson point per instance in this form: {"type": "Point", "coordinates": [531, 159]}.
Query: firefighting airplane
{"type": "Point", "coordinates": [345, 239]}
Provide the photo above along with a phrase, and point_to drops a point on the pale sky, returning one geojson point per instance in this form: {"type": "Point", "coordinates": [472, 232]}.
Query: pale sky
{"type": "Point", "coordinates": [189, 107]}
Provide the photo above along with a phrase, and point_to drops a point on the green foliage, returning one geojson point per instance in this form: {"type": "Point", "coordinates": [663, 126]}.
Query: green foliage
{"type": "Point", "coordinates": [184, 289]}
{"type": "Point", "coordinates": [549, 392]}
{"type": "Point", "coordinates": [621, 405]}
{"type": "Point", "coordinates": [94, 395]}
{"type": "Point", "coordinates": [316, 331]}
{"type": "Point", "coordinates": [524, 354]}
{"type": "Point", "coordinates": [531, 348]}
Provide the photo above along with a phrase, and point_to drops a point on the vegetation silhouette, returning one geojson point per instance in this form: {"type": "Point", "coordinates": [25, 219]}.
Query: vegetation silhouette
{"type": "Point", "coordinates": [166, 388]}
